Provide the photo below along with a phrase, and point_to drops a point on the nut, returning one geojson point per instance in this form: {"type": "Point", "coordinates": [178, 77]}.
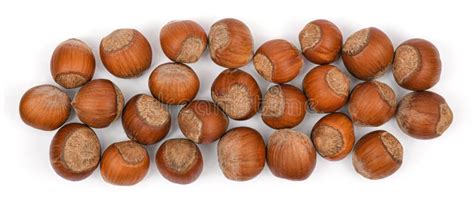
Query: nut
{"type": "Point", "coordinates": [321, 41]}
{"type": "Point", "coordinates": [424, 115]}
{"type": "Point", "coordinates": [283, 106]}
{"type": "Point", "coordinates": [72, 63]}
{"type": "Point", "coordinates": [183, 41]}
{"type": "Point", "coordinates": [202, 121]}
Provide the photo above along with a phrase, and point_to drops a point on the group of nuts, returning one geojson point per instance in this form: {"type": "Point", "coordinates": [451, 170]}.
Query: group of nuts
{"type": "Point", "coordinates": [75, 150]}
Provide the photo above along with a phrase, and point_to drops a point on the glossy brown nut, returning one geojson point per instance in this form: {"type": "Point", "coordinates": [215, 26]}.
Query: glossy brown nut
{"type": "Point", "coordinates": [173, 83]}
{"type": "Point", "coordinates": [372, 103]}
{"type": "Point", "coordinates": [45, 107]}
{"type": "Point", "coordinates": [74, 152]}
{"type": "Point", "coordinates": [377, 155]}
{"type": "Point", "coordinates": [236, 93]}
{"type": "Point", "coordinates": [327, 88]}
{"type": "Point", "coordinates": [230, 43]}
{"type": "Point", "coordinates": [98, 103]}
{"type": "Point", "coordinates": [179, 161]}
{"type": "Point", "coordinates": [417, 65]}
{"type": "Point", "coordinates": [290, 155]}
{"type": "Point", "coordinates": [283, 106]}
{"type": "Point", "coordinates": [241, 154]}
{"type": "Point", "coordinates": [124, 163]}
{"type": "Point", "coordinates": [367, 53]}
{"type": "Point", "coordinates": [72, 63]}
{"type": "Point", "coordinates": [145, 120]}
{"type": "Point", "coordinates": [333, 136]}
{"type": "Point", "coordinates": [202, 121]}
{"type": "Point", "coordinates": [125, 53]}
{"type": "Point", "coordinates": [278, 61]}
{"type": "Point", "coordinates": [321, 41]}
{"type": "Point", "coordinates": [424, 115]}
{"type": "Point", "coordinates": [183, 41]}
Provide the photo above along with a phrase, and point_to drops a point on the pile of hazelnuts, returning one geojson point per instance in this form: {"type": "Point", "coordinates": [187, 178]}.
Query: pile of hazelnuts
{"type": "Point", "coordinates": [75, 150]}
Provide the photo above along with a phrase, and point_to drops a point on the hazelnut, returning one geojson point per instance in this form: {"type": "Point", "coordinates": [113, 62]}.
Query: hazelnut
{"type": "Point", "coordinates": [179, 161]}
{"type": "Point", "coordinates": [145, 119]}
{"type": "Point", "coordinates": [230, 43]}
{"type": "Point", "coordinates": [377, 155]}
{"type": "Point", "coordinates": [283, 106]}
{"type": "Point", "coordinates": [74, 152]}
{"type": "Point", "coordinates": [416, 65]}
{"type": "Point", "coordinates": [124, 163]}
{"type": "Point", "coordinates": [241, 154]}
{"type": "Point", "coordinates": [183, 41]}
{"type": "Point", "coordinates": [125, 53]}
{"type": "Point", "coordinates": [173, 83]}
{"type": "Point", "coordinates": [98, 103]}
{"type": "Point", "coordinates": [321, 41]}
{"type": "Point", "coordinates": [72, 63]}
{"type": "Point", "coordinates": [367, 53]}
{"type": "Point", "coordinates": [278, 61]}
{"type": "Point", "coordinates": [327, 88]}
{"type": "Point", "coordinates": [45, 107]}
{"type": "Point", "coordinates": [333, 136]}
{"type": "Point", "coordinates": [237, 93]}
{"type": "Point", "coordinates": [372, 103]}
{"type": "Point", "coordinates": [290, 155]}
{"type": "Point", "coordinates": [202, 121]}
{"type": "Point", "coordinates": [424, 115]}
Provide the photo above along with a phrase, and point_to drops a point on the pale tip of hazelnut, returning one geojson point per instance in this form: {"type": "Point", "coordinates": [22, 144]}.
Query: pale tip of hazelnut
{"type": "Point", "coordinates": [273, 104]}
{"type": "Point", "coordinates": [338, 82]}
{"type": "Point", "coordinates": [81, 150]}
{"type": "Point", "coordinates": [152, 111]}
{"type": "Point", "coordinates": [118, 40]}
{"type": "Point", "coordinates": [310, 36]}
{"type": "Point", "coordinates": [356, 42]}
{"type": "Point", "coordinates": [235, 101]}
{"type": "Point", "coordinates": [264, 66]}
{"type": "Point", "coordinates": [328, 140]}
{"type": "Point", "coordinates": [191, 50]}
{"type": "Point", "coordinates": [386, 93]}
{"type": "Point", "coordinates": [406, 61]}
{"type": "Point", "coordinates": [70, 80]}
{"type": "Point", "coordinates": [445, 118]}
{"type": "Point", "coordinates": [131, 152]}
{"type": "Point", "coordinates": [393, 146]}
{"type": "Point", "coordinates": [190, 124]}
{"type": "Point", "coordinates": [219, 37]}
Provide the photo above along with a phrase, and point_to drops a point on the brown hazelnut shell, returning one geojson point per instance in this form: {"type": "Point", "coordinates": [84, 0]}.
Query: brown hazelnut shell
{"type": "Point", "coordinates": [126, 53]}
{"type": "Point", "coordinates": [327, 88]}
{"type": "Point", "coordinates": [278, 61]}
{"type": "Point", "coordinates": [377, 155]}
{"type": "Point", "coordinates": [45, 107]}
{"type": "Point", "coordinates": [283, 106]}
{"type": "Point", "coordinates": [183, 41]}
{"type": "Point", "coordinates": [241, 154]}
{"type": "Point", "coordinates": [424, 115]}
{"type": "Point", "coordinates": [124, 163]}
{"type": "Point", "coordinates": [98, 103]}
{"type": "Point", "coordinates": [367, 53]}
{"type": "Point", "coordinates": [179, 161]}
{"type": "Point", "coordinates": [321, 41]}
{"type": "Point", "coordinates": [290, 155]}
{"type": "Point", "coordinates": [72, 63]}
{"type": "Point", "coordinates": [202, 121]}
{"type": "Point", "coordinates": [236, 93]}
{"type": "Point", "coordinates": [372, 103]}
{"type": "Point", "coordinates": [75, 152]}
{"type": "Point", "coordinates": [145, 120]}
{"type": "Point", "coordinates": [230, 43]}
{"type": "Point", "coordinates": [333, 136]}
{"type": "Point", "coordinates": [173, 83]}
{"type": "Point", "coordinates": [417, 65]}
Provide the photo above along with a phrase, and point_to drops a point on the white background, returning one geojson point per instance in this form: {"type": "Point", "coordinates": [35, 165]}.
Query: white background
{"type": "Point", "coordinates": [30, 30]}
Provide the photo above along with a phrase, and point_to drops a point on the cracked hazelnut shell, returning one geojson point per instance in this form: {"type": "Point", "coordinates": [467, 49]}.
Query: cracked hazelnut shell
{"type": "Point", "coordinates": [367, 53]}
{"type": "Point", "coordinates": [145, 120]}
{"type": "Point", "coordinates": [126, 53]}
{"type": "Point", "coordinates": [283, 106]}
{"type": "Point", "coordinates": [327, 88]}
{"type": "Point", "coordinates": [183, 41]}
{"type": "Point", "coordinates": [417, 65]}
{"type": "Point", "coordinates": [424, 115]}
{"type": "Point", "coordinates": [321, 41]}
{"type": "Point", "coordinates": [74, 152]}
{"type": "Point", "coordinates": [236, 93]}
{"type": "Point", "coordinates": [278, 61]}
{"type": "Point", "coordinates": [72, 63]}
